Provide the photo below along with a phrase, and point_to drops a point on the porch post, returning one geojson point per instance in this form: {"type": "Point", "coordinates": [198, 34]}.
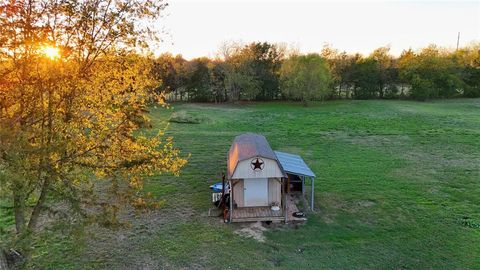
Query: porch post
{"type": "Point", "coordinates": [303, 185]}
{"type": "Point", "coordinates": [313, 192]}
{"type": "Point", "coordinates": [285, 207]}
{"type": "Point", "coordinates": [230, 210]}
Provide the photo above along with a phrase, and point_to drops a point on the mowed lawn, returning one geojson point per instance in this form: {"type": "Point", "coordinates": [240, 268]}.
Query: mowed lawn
{"type": "Point", "coordinates": [398, 187]}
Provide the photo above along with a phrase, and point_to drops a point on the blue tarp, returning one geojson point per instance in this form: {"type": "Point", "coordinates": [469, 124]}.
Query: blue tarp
{"type": "Point", "coordinates": [293, 164]}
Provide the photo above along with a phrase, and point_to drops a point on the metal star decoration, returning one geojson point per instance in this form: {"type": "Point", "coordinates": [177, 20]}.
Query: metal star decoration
{"type": "Point", "coordinates": [257, 164]}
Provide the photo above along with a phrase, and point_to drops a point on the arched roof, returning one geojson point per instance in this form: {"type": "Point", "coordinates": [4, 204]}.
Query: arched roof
{"type": "Point", "coordinates": [247, 146]}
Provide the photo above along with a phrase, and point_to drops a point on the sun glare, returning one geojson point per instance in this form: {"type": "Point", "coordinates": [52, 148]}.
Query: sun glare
{"type": "Point", "coordinates": [51, 52]}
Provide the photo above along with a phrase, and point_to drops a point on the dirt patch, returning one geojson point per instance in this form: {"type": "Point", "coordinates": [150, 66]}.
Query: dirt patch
{"type": "Point", "coordinates": [366, 138]}
{"type": "Point", "coordinates": [328, 219]}
{"type": "Point", "coordinates": [182, 117]}
{"type": "Point", "coordinates": [438, 159]}
{"type": "Point", "coordinates": [330, 208]}
{"type": "Point", "coordinates": [140, 228]}
{"type": "Point", "coordinates": [366, 203]}
{"type": "Point", "coordinates": [253, 230]}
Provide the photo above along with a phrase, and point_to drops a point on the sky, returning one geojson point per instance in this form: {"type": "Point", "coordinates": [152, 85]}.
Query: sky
{"type": "Point", "coordinates": [198, 28]}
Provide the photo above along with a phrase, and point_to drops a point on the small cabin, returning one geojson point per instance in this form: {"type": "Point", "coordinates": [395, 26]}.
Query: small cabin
{"type": "Point", "coordinates": [259, 184]}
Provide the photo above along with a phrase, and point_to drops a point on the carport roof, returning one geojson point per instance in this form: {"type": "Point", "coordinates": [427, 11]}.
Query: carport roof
{"type": "Point", "coordinates": [294, 164]}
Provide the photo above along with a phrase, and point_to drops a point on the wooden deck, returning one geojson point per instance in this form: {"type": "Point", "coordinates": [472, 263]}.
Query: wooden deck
{"type": "Point", "coordinates": [246, 214]}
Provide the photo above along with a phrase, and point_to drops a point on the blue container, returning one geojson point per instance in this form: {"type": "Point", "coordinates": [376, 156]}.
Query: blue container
{"type": "Point", "coordinates": [217, 187]}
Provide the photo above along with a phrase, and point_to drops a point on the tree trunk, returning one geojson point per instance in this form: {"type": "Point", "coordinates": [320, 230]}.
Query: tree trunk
{"type": "Point", "coordinates": [38, 206]}
{"type": "Point", "coordinates": [3, 260]}
{"type": "Point", "coordinates": [18, 209]}
{"type": "Point", "coordinates": [304, 101]}
{"type": "Point", "coordinates": [382, 88]}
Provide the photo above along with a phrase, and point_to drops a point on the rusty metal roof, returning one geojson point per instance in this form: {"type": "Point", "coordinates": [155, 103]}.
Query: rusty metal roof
{"type": "Point", "coordinates": [247, 146]}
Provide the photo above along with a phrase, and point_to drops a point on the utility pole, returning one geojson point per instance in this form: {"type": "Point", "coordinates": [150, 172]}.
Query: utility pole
{"type": "Point", "coordinates": [458, 40]}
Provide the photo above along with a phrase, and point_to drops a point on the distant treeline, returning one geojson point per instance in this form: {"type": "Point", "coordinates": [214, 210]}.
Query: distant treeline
{"type": "Point", "coordinates": [264, 71]}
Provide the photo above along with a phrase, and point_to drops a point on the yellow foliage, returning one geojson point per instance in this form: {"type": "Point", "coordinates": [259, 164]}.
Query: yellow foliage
{"type": "Point", "coordinates": [73, 117]}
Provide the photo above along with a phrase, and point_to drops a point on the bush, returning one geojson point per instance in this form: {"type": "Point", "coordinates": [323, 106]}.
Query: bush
{"type": "Point", "coordinates": [422, 89]}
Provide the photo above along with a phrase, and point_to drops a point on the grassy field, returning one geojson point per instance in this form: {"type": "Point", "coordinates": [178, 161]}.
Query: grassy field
{"type": "Point", "coordinates": [398, 187]}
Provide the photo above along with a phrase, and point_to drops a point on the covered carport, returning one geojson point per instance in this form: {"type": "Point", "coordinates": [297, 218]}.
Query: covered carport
{"type": "Point", "coordinates": [295, 165]}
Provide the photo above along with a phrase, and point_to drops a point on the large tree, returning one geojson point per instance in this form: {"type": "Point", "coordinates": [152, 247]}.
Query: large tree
{"type": "Point", "coordinates": [164, 70]}
{"type": "Point", "coordinates": [217, 80]}
{"type": "Point", "coordinates": [241, 80]}
{"type": "Point", "coordinates": [73, 95]}
{"type": "Point", "coordinates": [366, 79]}
{"type": "Point", "coordinates": [431, 74]}
{"type": "Point", "coordinates": [336, 62]}
{"type": "Point", "coordinates": [467, 62]}
{"type": "Point", "coordinates": [198, 80]}
{"type": "Point", "coordinates": [387, 72]}
{"type": "Point", "coordinates": [265, 60]}
{"type": "Point", "coordinates": [305, 78]}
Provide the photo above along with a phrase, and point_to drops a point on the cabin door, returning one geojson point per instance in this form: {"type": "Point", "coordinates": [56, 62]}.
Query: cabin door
{"type": "Point", "coordinates": [255, 192]}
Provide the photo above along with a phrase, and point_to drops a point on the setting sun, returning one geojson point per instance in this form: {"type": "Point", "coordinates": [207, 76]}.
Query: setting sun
{"type": "Point", "coordinates": [51, 52]}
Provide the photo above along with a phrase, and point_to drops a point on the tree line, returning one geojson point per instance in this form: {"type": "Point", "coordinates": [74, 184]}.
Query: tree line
{"type": "Point", "coordinates": [263, 71]}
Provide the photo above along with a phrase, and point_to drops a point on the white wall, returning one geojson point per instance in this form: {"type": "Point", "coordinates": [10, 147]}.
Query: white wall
{"type": "Point", "coordinates": [274, 191]}
{"type": "Point", "coordinates": [244, 170]}
{"type": "Point", "coordinates": [238, 193]}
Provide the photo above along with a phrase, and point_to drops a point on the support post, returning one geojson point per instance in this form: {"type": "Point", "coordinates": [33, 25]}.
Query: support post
{"type": "Point", "coordinates": [230, 210]}
{"type": "Point", "coordinates": [288, 184]}
{"type": "Point", "coordinates": [285, 210]}
{"type": "Point", "coordinates": [313, 192]}
{"type": "Point", "coordinates": [303, 185]}
{"type": "Point", "coordinates": [222, 199]}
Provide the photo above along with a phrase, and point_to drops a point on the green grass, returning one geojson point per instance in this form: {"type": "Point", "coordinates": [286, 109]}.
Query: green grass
{"type": "Point", "coordinates": [416, 164]}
